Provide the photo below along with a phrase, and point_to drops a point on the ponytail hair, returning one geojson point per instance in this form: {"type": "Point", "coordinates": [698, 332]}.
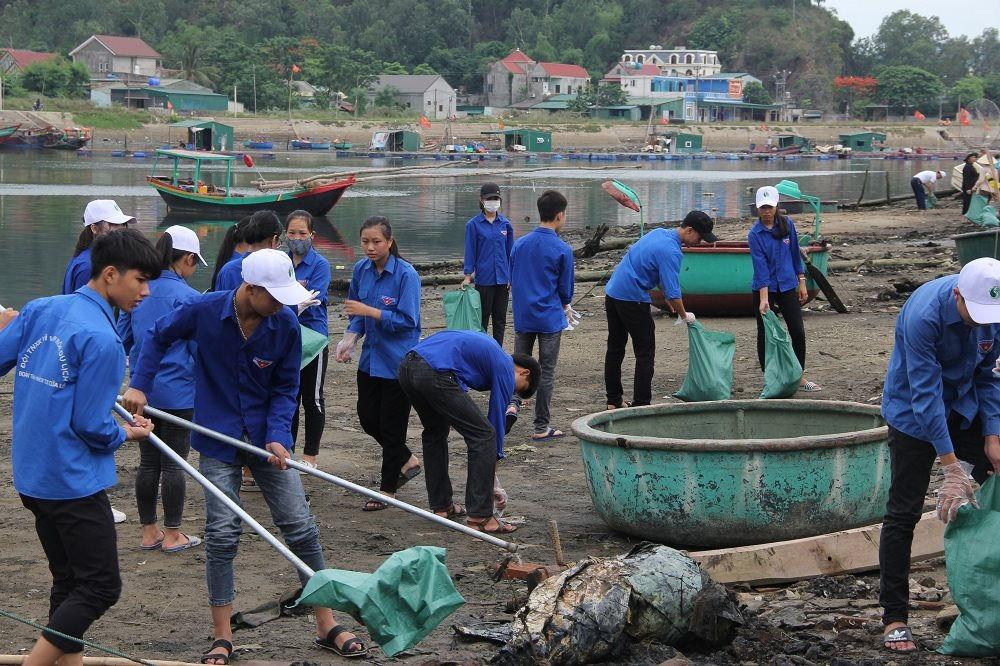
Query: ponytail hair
{"type": "Point", "coordinates": [233, 237]}
{"type": "Point", "coordinates": [780, 229]}
{"type": "Point", "coordinates": [84, 240]}
{"type": "Point", "coordinates": [385, 227]}
{"type": "Point", "coordinates": [263, 225]}
{"type": "Point", "coordinates": [168, 255]}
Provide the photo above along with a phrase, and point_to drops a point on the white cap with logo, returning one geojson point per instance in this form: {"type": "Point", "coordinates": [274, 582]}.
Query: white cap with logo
{"type": "Point", "coordinates": [979, 284]}
{"type": "Point", "coordinates": [274, 271]}
{"type": "Point", "coordinates": [185, 240]}
{"type": "Point", "coordinates": [105, 210]}
{"type": "Point", "coordinates": [767, 196]}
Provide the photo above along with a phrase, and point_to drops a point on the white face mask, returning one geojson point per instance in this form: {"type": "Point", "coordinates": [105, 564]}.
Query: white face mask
{"type": "Point", "coordinates": [492, 206]}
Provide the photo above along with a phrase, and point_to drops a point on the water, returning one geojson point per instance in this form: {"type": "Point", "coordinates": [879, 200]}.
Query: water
{"type": "Point", "coordinates": [43, 194]}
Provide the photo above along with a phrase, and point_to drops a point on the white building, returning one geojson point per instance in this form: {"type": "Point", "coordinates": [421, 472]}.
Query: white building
{"type": "Point", "coordinates": [426, 94]}
{"type": "Point", "coordinates": [678, 61]}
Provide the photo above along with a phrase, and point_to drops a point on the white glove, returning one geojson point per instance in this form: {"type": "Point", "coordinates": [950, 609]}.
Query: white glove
{"type": "Point", "coordinates": [688, 319]}
{"type": "Point", "coordinates": [345, 348]}
{"type": "Point", "coordinates": [499, 496]}
{"type": "Point", "coordinates": [955, 492]}
{"type": "Point", "coordinates": [573, 318]}
{"type": "Point", "coordinates": [305, 305]}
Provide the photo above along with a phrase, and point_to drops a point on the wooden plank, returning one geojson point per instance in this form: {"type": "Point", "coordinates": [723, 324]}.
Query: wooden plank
{"type": "Point", "coordinates": [850, 551]}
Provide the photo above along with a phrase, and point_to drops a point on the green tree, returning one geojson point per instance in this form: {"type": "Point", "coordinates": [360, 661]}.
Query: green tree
{"type": "Point", "coordinates": [358, 97]}
{"type": "Point", "coordinates": [991, 86]}
{"type": "Point", "coordinates": [968, 89]}
{"type": "Point", "coordinates": [393, 68]}
{"type": "Point", "coordinates": [386, 98]}
{"type": "Point", "coordinates": [904, 87]}
{"type": "Point", "coordinates": [424, 68]}
{"type": "Point", "coordinates": [543, 50]}
{"type": "Point", "coordinates": [56, 78]}
{"type": "Point", "coordinates": [986, 53]}
{"type": "Point", "coordinates": [756, 93]}
{"type": "Point", "coordinates": [611, 94]}
{"type": "Point", "coordinates": [188, 48]}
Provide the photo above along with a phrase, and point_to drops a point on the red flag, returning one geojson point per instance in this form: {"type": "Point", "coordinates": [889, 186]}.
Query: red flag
{"type": "Point", "coordinates": [248, 160]}
{"type": "Point", "coordinates": [918, 115]}
{"type": "Point", "coordinates": [424, 122]}
{"type": "Point", "coordinates": [963, 117]}
{"type": "Point", "coordinates": [664, 121]}
{"type": "Point", "coordinates": [296, 69]}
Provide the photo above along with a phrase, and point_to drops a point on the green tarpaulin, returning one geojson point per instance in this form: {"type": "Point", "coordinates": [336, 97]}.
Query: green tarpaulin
{"type": "Point", "coordinates": [312, 344]}
{"type": "Point", "coordinates": [981, 212]}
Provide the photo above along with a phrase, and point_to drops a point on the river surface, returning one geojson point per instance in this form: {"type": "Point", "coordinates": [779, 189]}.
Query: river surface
{"type": "Point", "coordinates": [43, 194]}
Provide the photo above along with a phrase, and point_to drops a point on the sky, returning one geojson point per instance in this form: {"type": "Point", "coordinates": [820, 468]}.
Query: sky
{"type": "Point", "coordinates": [866, 15]}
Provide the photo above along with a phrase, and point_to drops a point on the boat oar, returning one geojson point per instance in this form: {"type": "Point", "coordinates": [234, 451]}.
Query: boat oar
{"type": "Point", "coordinates": [335, 480]}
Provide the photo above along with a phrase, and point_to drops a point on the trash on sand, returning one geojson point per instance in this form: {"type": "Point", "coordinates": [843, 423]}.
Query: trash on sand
{"type": "Point", "coordinates": [594, 610]}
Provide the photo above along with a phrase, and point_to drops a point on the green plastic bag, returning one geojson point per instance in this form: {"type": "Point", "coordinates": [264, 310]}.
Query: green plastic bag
{"type": "Point", "coordinates": [399, 604]}
{"type": "Point", "coordinates": [931, 201]}
{"type": "Point", "coordinates": [972, 552]}
{"type": "Point", "coordinates": [463, 310]}
{"type": "Point", "coordinates": [981, 212]}
{"type": "Point", "coordinates": [312, 344]}
{"type": "Point", "coordinates": [782, 371]}
{"type": "Point", "coordinates": [710, 365]}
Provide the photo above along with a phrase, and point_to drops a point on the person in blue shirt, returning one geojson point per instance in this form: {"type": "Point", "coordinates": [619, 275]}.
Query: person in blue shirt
{"type": "Point", "coordinates": [70, 365]}
{"type": "Point", "coordinates": [653, 261]}
{"type": "Point", "coordinates": [312, 270]}
{"type": "Point", "coordinates": [246, 369]}
{"type": "Point", "coordinates": [489, 239]}
{"type": "Point", "coordinates": [383, 304]}
{"type": "Point", "coordinates": [436, 375]}
{"type": "Point", "coordinates": [779, 280]}
{"type": "Point", "coordinates": [941, 400]}
{"type": "Point", "coordinates": [263, 231]}
{"type": "Point", "coordinates": [232, 247]}
{"type": "Point", "coordinates": [99, 217]}
{"type": "Point", "coordinates": [541, 268]}
{"type": "Point", "coordinates": [173, 392]}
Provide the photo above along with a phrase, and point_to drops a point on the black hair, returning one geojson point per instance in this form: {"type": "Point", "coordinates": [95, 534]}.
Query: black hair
{"type": "Point", "coordinates": [233, 237]}
{"type": "Point", "coordinates": [385, 227]}
{"type": "Point", "coordinates": [125, 249]}
{"type": "Point", "coordinates": [550, 204]}
{"type": "Point", "coordinates": [304, 214]}
{"type": "Point", "coordinates": [168, 255]}
{"type": "Point", "coordinates": [780, 229]}
{"type": "Point", "coordinates": [263, 225]}
{"type": "Point", "coordinates": [534, 372]}
{"type": "Point", "coordinates": [976, 155]}
{"type": "Point", "coordinates": [84, 240]}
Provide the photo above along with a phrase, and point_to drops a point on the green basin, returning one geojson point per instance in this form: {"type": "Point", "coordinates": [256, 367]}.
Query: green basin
{"type": "Point", "coordinates": [729, 473]}
{"type": "Point", "coordinates": [976, 245]}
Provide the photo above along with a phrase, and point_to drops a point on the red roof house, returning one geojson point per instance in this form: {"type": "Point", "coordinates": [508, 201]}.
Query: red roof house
{"type": "Point", "coordinates": [15, 60]}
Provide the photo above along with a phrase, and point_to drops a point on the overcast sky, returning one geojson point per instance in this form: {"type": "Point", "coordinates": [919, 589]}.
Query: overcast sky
{"type": "Point", "coordinates": [960, 18]}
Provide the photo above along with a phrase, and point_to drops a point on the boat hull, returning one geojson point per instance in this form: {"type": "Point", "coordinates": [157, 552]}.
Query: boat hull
{"type": "Point", "coordinates": [258, 145]}
{"type": "Point", "coordinates": [318, 201]}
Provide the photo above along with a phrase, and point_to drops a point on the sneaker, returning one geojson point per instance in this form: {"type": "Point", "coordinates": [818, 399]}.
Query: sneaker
{"type": "Point", "coordinates": [308, 464]}
{"type": "Point", "coordinates": [118, 516]}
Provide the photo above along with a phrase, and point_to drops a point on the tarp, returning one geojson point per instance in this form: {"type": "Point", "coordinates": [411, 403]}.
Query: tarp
{"type": "Point", "coordinates": [981, 213]}
{"type": "Point", "coordinates": [312, 344]}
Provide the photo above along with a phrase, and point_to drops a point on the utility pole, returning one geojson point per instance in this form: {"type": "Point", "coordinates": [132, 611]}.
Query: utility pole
{"type": "Point", "coordinates": [793, 11]}
{"type": "Point", "coordinates": [780, 83]}
{"type": "Point", "coordinates": [254, 69]}
{"type": "Point", "coordinates": [1, 93]}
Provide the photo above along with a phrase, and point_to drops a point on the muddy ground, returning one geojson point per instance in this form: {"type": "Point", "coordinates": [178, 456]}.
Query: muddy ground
{"type": "Point", "coordinates": [163, 610]}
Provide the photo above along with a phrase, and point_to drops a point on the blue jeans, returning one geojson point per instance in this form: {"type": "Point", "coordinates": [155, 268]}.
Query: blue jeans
{"type": "Point", "coordinates": [548, 357]}
{"type": "Point", "coordinates": [283, 492]}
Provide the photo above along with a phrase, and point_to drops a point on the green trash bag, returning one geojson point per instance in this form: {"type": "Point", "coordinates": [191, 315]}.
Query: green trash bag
{"type": "Point", "coordinates": [972, 552]}
{"type": "Point", "coordinates": [312, 344]}
{"type": "Point", "coordinates": [463, 310]}
{"type": "Point", "coordinates": [400, 603]}
{"type": "Point", "coordinates": [981, 212]}
{"type": "Point", "coordinates": [710, 365]}
{"type": "Point", "coordinates": [931, 201]}
{"type": "Point", "coordinates": [782, 371]}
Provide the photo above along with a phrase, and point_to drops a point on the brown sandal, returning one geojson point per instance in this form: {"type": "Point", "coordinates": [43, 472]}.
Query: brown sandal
{"type": "Point", "coordinates": [502, 527]}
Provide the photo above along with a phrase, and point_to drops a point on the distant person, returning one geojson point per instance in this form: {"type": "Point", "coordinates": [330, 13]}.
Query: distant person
{"type": "Point", "coordinates": [489, 238]}
{"type": "Point", "coordinates": [232, 247]}
{"type": "Point", "coordinates": [542, 292]}
{"type": "Point", "coordinates": [941, 400]}
{"type": "Point", "coordinates": [99, 217]}
{"type": "Point", "coordinates": [37, 106]}
{"type": "Point", "coordinates": [779, 280]}
{"type": "Point", "coordinates": [923, 186]}
{"type": "Point", "coordinates": [970, 178]}
{"type": "Point", "coordinates": [653, 262]}
{"type": "Point", "coordinates": [263, 231]}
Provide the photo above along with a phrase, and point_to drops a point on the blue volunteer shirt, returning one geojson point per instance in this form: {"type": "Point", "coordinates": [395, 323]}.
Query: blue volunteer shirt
{"type": "Point", "coordinates": [241, 387]}
{"type": "Point", "coordinates": [314, 270]}
{"type": "Point", "coordinates": [487, 249]}
{"type": "Point", "coordinates": [396, 292]}
{"type": "Point", "coordinates": [541, 281]}
{"type": "Point", "coordinates": [173, 385]}
{"type": "Point", "coordinates": [479, 363]}
{"type": "Point", "coordinates": [940, 365]}
{"type": "Point", "coordinates": [777, 263]}
{"type": "Point", "coordinates": [653, 261]}
{"type": "Point", "coordinates": [77, 272]}
{"type": "Point", "coordinates": [70, 366]}
{"type": "Point", "coordinates": [231, 275]}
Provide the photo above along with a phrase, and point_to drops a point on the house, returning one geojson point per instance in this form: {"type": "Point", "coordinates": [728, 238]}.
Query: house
{"type": "Point", "coordinates": [204, 134]}
{"type": "Point", "coordinates": [678, 61]}
{"type": "Point", "coordinates": [555, 78]}
{"type": "Point", "coordinates": [176, 95]}
{"type": "Point", "coordinates": [13, 61]}
{"type": "Point", "coordinates": [518, 81]}
{"type": "Point", "coordinates": [636, 81]}
{"type": "Point", "coordinates": [305, 91]}
{"type": "Point", "coordinates": [865, 142]}
{"type": "Point", "coordinates": [110, 57]}
{"type": "Point", "coordinates": [425, 94]}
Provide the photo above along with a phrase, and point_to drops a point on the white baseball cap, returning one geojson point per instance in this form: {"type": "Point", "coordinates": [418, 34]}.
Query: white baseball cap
{"type": "Point", "coordinates": [767, 196]}
{"type": "Point", "coordinates": [273, 270]}
{"type": "Point", "coordinates": [186, 240]}
{"type": "Point", "coordinates": [979, 284]}
{"type": "Point", "coordinates": [105, 210]}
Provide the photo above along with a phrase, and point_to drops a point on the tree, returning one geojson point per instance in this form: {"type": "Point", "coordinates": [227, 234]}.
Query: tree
{"type": "Point", "coordinates": [905, 87]}
{"type": "Point", "coordinates": [986, 53]}
{"type": "Point", "coordinates": [393, 68]}
{"type": "Point", "coordinates": [188, 49]}
{"type": "Point", "coordinates": [359, 98]}
{"type": "Point", "coordinates": [386, 98]}
{"type": "Point", "coordinates": [861, 87]}
{"type": "Point", "coordinates": [56, 78]}
{"type": "Point", "coordinates": [968, 89]}
{"type": "Point", "coordinates": [424, 68]}
{"type": "Point", "coordinates": [611, 95]}
{"type": "Point", "coordinates": [991, 86]}
{"type": "Point", "coordinates": [755, 93]}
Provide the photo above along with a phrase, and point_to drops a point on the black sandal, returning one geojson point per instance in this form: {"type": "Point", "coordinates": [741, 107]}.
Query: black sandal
{"type": "Point", "coordinates": [899, 635]}
{"type": "Point", "coordinates": [407, 476]}
{"type": "Point", "coordinates": [374, 505]}
{"type": "Point", "coordinates": [212, 656]}
{"type": "Point", "coordinates": [454, 511]}
{"type": "Point", "coordinates": [345, 650]}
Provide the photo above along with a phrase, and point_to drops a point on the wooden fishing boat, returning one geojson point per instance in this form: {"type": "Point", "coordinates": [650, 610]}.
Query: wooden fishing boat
{"type": "Point", "coordinates": [343, 145]}
{"type": "Point", "coordinates": [71, 138]}
{"type": "Point", "coordinates": [307, 144]}
{"type": "Point", "coordinates": [205, 188]}
{"type": "Point", "coordinates": [258, 144]}
{"type": "Point", "coordinates": [7, 132]}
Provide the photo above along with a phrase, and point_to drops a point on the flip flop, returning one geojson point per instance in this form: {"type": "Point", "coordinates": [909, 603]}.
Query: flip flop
{"type": "Point", "coordinates": [192, 542]}
{"type": "Point", "coordinates": [407, 476]}
{"type": "Point", "coordinates": [154, 546]}
{"type": "Point", "coordinates": [330, 643]}
{"type": "Point", "coordinates": [899, 635]}
{"type": "Point", "coordinates": [551, 433]}
{"type": "Point", "coordinates": [374, 505]}
{"type": "Point", "coordinates": [249, 485]}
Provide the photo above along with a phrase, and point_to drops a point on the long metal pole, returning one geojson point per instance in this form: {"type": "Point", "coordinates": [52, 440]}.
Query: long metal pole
{"type": "Point", "coordinates": [221, 496]}
{"type": "Point", "coordinates": [337, 481]}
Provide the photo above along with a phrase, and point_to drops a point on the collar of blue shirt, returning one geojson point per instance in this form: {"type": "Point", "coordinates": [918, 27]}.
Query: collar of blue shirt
{"type": "Point", "coordinates": [100, 300]}
{"type": "Point", "coordinates": [950, 315]}
{"type": "Point", "coordinates": [390, 265]}
{"type": "Point", "coordinates": [228, 311]}
{"type": "Point", "coordinates": [307, 258]}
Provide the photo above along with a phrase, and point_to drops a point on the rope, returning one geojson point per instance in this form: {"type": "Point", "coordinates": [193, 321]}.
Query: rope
{"type": "Point", "coordinates": [81, 641]}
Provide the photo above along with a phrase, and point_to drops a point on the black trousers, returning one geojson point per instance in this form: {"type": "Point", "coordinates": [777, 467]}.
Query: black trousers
{"type": "Point", "coordinates": [787, 304]}
{"type": "Point", "coordinates": [912, 461]}
{"type": "Point", "coordinates": [159, 475]}
{"type": "Point", "coordinates": [629, 319]}
{"type": "Point", "coordinates": [384, 411]}
{"type": "Point", "coordinates": [966, 202]}
{"type": "Point", "coordinates": [493, 299]}
{"type": "Point", "coordinates": [919, 193]}
{"type": "Point", "coordinates": [81, 545]}
{"type": "Point", "coordinates": [312, 379]}
{"type": "Point", "coordinates": [442, 405]}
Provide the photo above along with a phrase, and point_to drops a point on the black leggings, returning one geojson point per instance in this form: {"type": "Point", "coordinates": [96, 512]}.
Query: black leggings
{"type": "Point", "coordinates": [158, 474]}
{"type": "Point", "coordinates": [787, 304]}
{"type": "Point", "coordinates": [311, 382]}
{"type": "Point", "coordinates": [493, 299]}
